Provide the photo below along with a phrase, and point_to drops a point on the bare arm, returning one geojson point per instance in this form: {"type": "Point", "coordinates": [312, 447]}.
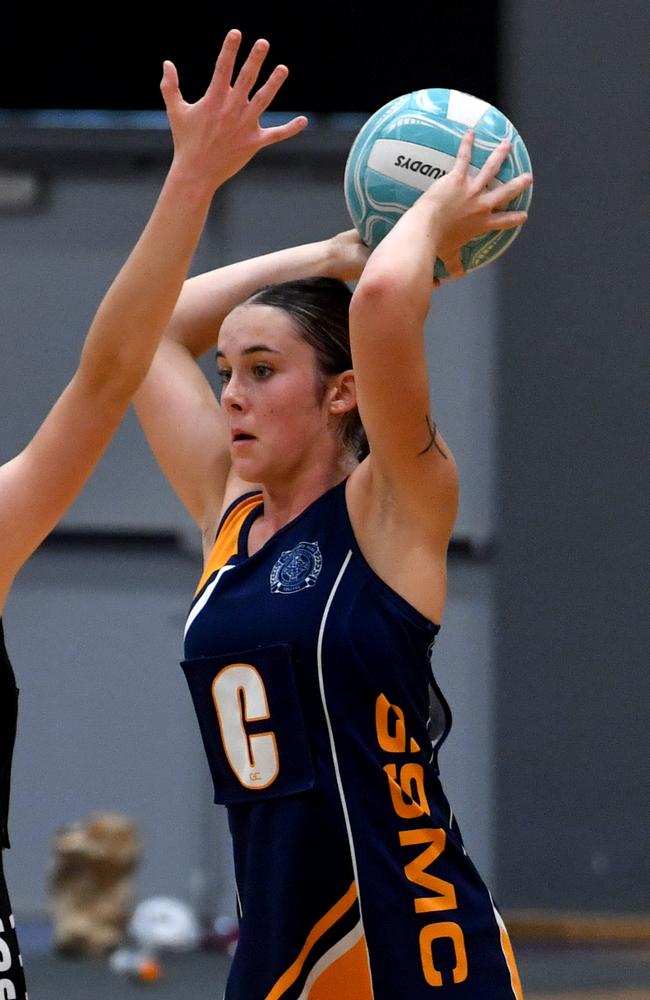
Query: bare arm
{"type": "Point", "coordinates": [178, 411]}
{"type": "Point", "coordinates": [409, 462]}
{"type": "Point", "coordinates": [213, 139]}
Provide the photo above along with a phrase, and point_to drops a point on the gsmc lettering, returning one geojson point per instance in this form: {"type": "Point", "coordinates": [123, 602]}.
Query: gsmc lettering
{"type": "Point", "coordinates": [420, 167]}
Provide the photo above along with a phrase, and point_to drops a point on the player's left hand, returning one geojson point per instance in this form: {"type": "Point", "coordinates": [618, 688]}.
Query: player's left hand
{"type": "Point", "coordinates": [465, 206]}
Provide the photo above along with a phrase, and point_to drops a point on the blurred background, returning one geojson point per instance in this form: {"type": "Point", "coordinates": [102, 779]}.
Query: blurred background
{"type": "Point", "coordinates": [537, 374]}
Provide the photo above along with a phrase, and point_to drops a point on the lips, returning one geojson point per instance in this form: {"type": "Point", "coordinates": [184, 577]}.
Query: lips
{"type": "Point", "coordinates": [239, 436]}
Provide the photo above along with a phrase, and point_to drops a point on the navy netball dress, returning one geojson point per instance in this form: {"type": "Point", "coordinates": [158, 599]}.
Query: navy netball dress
{"type": "Point", "coordinates": [12, 982]}
{"type": "Point", "coordinates": [312, 684]}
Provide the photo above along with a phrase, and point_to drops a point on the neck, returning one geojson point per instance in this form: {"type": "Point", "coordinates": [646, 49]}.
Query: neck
{"type": "Point", "coordinates": [285, 500]}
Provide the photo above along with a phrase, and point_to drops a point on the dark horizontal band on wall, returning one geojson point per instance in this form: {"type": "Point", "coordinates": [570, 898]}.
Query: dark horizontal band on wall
{"type": "Point", "coordinates": [78, 538]}
{"type": "Point", "coordinates": [459, 548]}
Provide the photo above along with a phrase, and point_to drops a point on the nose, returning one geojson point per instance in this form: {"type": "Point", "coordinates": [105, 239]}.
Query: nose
{"type": "Point", "coordinates": [232, 397]}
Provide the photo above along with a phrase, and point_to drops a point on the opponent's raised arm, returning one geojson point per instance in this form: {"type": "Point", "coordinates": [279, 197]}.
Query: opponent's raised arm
{"type": "Point", "coordinates": [213, 139]}
{"type": "Point", "coordinates": [408, 458]}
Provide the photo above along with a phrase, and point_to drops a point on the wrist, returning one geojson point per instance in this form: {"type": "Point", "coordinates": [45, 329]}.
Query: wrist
{"type": "Point", "coordinates": [191, 181]}
{"type": "Point", "coordinates": [345, 256]}
{"type": "Point", "coordinates": [326, 262]}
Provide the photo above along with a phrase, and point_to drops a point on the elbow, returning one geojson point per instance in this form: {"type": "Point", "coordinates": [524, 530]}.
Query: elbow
{"type": "Point", "coordinates": [376, 294]}
{"type": "Point", "coordinates": [388, 299]}
{"type": "Point", "coordinates": [114, 378]}
{"type": "Point", "coordinates": [378, 285]}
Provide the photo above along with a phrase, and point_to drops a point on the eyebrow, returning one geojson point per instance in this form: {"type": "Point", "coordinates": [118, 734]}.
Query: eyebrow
{"type": "Point", "coordinates": [255, 349]}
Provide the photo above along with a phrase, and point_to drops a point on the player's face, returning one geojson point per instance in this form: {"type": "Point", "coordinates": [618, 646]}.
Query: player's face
{"type": "Point", "coordinates": [272, 394]}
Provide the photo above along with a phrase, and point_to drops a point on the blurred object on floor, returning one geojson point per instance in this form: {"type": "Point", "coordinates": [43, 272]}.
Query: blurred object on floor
{"type": "Point", "coordinates": [163, 923]}
{"type": "Point", "coordinates": [159, 924]}
{"type": "Point", "coordinates": [90, 883]}
{"type": "Point", "coordinates": [222, 936]}
{"type": "Point", "coordinates": [139, 964]}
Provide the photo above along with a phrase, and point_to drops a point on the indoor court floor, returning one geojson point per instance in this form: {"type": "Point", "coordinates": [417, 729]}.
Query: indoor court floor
{"type": "Point", "coordinates": [547, 973]}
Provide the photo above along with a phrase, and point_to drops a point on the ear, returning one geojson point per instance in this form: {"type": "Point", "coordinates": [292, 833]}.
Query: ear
{"type": "Point", "coordinates": [342, 393]}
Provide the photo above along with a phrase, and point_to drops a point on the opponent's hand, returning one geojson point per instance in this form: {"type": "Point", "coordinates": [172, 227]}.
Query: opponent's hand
{"type": "Point", "coordinates": [464, 207]}
{"type": "Point", "coordinates": [348, 255]}
{"type": "Point", "coordinates": [218, 134]}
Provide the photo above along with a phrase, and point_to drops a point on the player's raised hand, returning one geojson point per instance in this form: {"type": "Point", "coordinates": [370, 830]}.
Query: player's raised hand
{"type": "Point", "coordinates": [348, 255]}
{"type": "Point", "coordinates": [467, 204]}
{"type": "Point", "coordinates": [218, 134]}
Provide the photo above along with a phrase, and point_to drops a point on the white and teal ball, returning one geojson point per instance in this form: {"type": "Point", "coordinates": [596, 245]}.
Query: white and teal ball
{"type": "Point", "coordinates": [411, 142]}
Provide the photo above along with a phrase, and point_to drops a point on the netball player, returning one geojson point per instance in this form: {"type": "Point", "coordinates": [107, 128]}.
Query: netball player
{"type": "Point", "coordinates": [213, 139]}
{"type": "Point", "coordinates": [308, 643]}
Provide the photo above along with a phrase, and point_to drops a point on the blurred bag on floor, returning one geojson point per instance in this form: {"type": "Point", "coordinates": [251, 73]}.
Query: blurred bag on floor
{"type": "Point", "coordinates": [90, 884]}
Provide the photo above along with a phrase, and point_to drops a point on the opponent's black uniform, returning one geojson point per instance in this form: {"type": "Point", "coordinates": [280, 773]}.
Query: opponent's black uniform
{"type": "Point", "coordinates": [12, 980]}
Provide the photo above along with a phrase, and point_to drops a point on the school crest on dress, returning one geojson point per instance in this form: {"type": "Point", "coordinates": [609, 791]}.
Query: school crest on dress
{"type": "Point", "coordinates": [296, 569]}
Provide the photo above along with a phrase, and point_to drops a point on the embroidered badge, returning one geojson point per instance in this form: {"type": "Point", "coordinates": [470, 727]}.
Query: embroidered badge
{"type": "Point", "coordinates": [296, 569]}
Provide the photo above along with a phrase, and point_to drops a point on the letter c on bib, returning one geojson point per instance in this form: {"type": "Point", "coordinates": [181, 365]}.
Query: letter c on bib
{"type": "Point", "coordinates": [239, 697]}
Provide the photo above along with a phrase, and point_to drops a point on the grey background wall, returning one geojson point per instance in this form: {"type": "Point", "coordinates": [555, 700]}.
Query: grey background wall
{"type": "Point", "coordinates": [537, 367]}
{"type": "Point", "coordinates": [572, 643]}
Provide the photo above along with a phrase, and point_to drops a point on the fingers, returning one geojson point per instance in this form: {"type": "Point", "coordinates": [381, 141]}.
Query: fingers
{"type": "Point", "coordinates": [225, 64]}
{"type": "Point", "coordinates": [267, 92]}
{"type": "Point", "coordinates": [504, 194]}
{"type": "Point", "coordinates": [249, 72]}
{"type": "Point", "coordinates": [280, 132]}
{"type": "Point", "coordinates": [507, 220]}
{"type": "Point", "coordinates": [247, 76]}
{"type": "Point", "coordinates": [493, 164]}
{"type": "Point", "coordinates": [169, 85]}
{"type": "Point", "coordinates": [464, 154]}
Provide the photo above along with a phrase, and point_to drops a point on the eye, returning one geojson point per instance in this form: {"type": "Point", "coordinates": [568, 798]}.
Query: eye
{"type": "Point", "coordinates": [224, 375]}
{"type": "Point", "coordinates": [262, 371]}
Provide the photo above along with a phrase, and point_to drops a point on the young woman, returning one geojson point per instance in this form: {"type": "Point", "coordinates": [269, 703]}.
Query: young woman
{"type": "Point", "coordinates": [307, 646]}
{"type": "Point", "coordinates": [213, 139]}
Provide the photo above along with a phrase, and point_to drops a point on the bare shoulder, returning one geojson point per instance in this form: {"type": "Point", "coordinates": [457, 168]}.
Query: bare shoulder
{"type": "Point", "coordinates": [403, 538]}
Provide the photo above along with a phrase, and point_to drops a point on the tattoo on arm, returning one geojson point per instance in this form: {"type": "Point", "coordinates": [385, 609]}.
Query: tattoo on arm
{"type": "Point", "coordinates": [433, 430]}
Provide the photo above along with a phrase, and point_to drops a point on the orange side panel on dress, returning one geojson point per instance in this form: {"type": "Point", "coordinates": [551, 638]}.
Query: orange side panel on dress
{"type": "Point", "coordinates": [328, 920]}
{"type": "Point", "coordinates": [347, 977]}
{"type": "Point", "coordinates": [226, 544]}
